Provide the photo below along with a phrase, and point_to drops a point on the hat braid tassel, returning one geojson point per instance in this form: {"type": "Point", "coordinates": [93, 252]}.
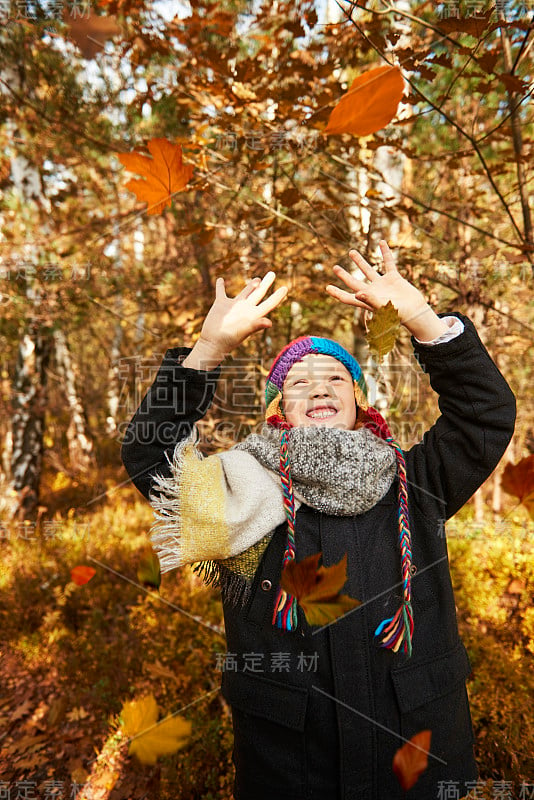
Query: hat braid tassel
{"type": "Point", "coordinates": [397, 631]}
{"type": "Point", "coordinates": [285, 607]}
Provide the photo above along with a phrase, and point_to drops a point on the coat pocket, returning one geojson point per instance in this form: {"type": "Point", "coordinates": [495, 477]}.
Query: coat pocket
{"type": "Point", "coordinates": [432, 696]}
{"type": "Point", "coordinates": [268, 722]}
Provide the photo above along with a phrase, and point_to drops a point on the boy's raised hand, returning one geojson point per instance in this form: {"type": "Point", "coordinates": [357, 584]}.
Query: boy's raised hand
{"type": "Point", "coordinates": [231, 320]}
{"type": "Point", "coordinates": [414, 312]}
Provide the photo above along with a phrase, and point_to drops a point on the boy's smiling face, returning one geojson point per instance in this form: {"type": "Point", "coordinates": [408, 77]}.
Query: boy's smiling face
{"type": "Point", "coordinates": [319, 390]}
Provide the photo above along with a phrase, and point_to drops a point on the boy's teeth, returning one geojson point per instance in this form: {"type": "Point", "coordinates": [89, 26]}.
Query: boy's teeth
{"type": "Point", "coordinates": [321, 414]}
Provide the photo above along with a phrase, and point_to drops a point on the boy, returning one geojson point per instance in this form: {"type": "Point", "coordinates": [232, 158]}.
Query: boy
{"type": "Point", "coordinates": [326, 476]}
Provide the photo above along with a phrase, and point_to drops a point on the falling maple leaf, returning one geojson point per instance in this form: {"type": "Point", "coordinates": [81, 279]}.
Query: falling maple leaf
{"type": "Point", "coordinates": [151, 739]}
{"type": "Point", "coordinates": [370, 104]}
{"type": "Point", "coordinates": [91, 32]}
{"type": "Point", "coordinates": [163, 175]}
{"type": "Point", "coordinates": [82, 574]}
{"type": "Point", "coordinates": [518, 480]}
{"type": "Point", "coordinates": [317, 588]}
{"type": "Point", "coordinates": [383, 329]}
{"type": "Point", "coordinates": [411, 760]}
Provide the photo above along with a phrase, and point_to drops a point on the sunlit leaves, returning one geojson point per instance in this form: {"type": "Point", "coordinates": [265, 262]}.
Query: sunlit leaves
{"type": "Point", "coordinates": [317, 588]}
{"type": "Point", "coordinates": [163, 175]}
{"type": "Point", "coordinates": [151, 739]}
{"type": "Point", "coordinates": [370, 104]}
{"type": "Point", "coordinates": [411, 760]}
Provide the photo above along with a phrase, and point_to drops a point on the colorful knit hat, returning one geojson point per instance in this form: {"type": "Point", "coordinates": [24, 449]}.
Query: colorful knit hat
{"type": "Point", "coordinates": [396, 631]}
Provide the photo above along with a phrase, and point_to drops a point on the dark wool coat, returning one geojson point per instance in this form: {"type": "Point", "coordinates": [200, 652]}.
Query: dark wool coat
{"type": "Point", "coordinates": [320, 712]}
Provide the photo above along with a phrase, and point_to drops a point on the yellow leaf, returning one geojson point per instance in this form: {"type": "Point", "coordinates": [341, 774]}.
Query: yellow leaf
{"type": "Point", "coordinates": [370, 104]}
{"type": "Point", "coordinates": [383, 329]}
{"type": "Point", "coordinates": [317, 589]}
{"type": "Point", "coordinates": [151, 739]}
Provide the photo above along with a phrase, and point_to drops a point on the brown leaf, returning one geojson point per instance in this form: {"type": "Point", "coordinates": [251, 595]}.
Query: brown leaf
{"type": "Point", "coordinates": [163, 175]}
{"type": "Point", "coordinates": [474, 26]}
{"type": "Point", "coordinates": [91, 32]}
{"type": "Point", "coordinates": [518, 480]}
{"type": "Point", "coordinates": [512, 82]}
{"type": "Point", "coordinates": [21, 711]}
{"type": "Point", "coordinates": [411, 760]}
{"type": "Point", "coordinates": [370, 104]}
{"type": "Point", "coordinates": [317, 588]}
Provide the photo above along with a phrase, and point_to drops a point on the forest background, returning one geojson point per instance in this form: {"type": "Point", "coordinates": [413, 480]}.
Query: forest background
{"type": "Point", "coordinates": [95, 286]}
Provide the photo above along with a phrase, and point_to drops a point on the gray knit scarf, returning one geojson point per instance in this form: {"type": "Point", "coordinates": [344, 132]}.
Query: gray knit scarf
{"type": "Point", "coordinates": [221, 512]}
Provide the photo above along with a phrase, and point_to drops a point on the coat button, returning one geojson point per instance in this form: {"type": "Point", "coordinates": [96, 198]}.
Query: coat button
{"type": "Point", "coordinates": [266, 585]}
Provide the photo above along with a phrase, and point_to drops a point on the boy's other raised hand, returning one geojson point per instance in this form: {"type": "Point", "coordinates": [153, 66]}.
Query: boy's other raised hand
{"type": "Point", "coordinates": [414, 312]}
{"type": "Point", "coordinates": [231, 320]}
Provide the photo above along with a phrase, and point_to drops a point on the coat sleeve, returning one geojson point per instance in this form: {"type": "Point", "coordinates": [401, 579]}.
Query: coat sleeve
{"type": "Point", "coordinates": [177, 399]}
{"type": "Point", "coordinates": [478, 411]}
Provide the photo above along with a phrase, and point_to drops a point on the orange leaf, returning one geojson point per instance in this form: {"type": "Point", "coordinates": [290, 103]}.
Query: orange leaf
{"type": "Point", "coordinates": [370, 103]}
{"type": "Point", "coordinates": [163, 175]}
{"type": "Point", "coordinates": [411, 760]}
{"type": "Point", "coordinates": [518, 480]}
{"type": "Point", "coordinates": [81, 575]}
{"type": "Point", "coordinates": [317, 588]}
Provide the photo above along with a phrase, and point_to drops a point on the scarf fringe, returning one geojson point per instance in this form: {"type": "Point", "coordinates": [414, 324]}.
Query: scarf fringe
{"type": "Point", "coordinates": [235, 589]}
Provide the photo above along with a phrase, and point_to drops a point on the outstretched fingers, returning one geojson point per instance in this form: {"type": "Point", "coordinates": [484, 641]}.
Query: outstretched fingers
{"type": "Point", "coordinates": [249, 287]}
{"type": "Point", "coordinates": [261, 289]}
{"type": "Point", "coordinates": [350, 299]}
{"type": "Point", "coordinates": [220, 291]}
{"type": "Point", "coordinates": [360, 262]}
{"type": "Point", "coordinates": [273, 301]}
{"type": "Point", "coordinates": [389, 264]}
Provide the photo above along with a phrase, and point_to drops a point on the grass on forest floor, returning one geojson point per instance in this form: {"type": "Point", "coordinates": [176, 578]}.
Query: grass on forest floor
{"type": "Point", "coordinates": [71, 656]}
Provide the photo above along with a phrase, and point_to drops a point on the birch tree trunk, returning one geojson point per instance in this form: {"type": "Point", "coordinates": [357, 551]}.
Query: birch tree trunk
{"type": "Point", "coordinates": [29, 405]}
{"type": "Point", "coordinates": [79, 442]}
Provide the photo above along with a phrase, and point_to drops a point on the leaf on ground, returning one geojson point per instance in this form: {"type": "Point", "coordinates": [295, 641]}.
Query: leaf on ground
{"type": "Point", "coordinates": [151, 739]}
{"type": "Point", "coordinates": [518, 480]}
{"type": "Point", "coordinates": [148, 571]}
{"type": "Point", "coordinates": [383, 329]}
{"type": "Point", "coordinates": [77, 714]}
{"type": "Point", "coordinates": [24, 708]}
{"type": "Point", "coordinates": [411, 760]}
{"type": "Point", "coordinates": [82, 574]}
{"type": "Point", "coordinates": [317, 588]}
{"type": "Point", "coordinates": [370, 104]}
{"type": "Point", "coordinates": [163, 175]}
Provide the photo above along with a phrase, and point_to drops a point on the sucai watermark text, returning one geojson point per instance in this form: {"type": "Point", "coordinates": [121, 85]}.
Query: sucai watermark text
{"type": "Point", "coordinates": [497, 790]}
{"type": "Point", "coordinates": [48, 790]}
{"type": "Point", "coordinates": [276, 661]}
{"type": "Point", "coordinates": [44, 530]}
{"type": "Point", "coordinates": [53, 9]}
{"type": "Point", "coordinates": [24, 269]}
{"type": "Point", "coordinates": [454, 9]}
